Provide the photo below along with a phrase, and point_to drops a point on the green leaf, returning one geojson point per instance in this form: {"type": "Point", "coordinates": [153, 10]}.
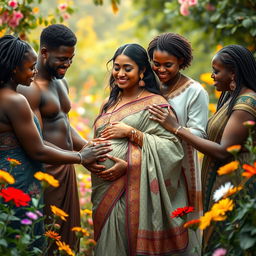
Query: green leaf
{"type": "Point", "coordinates": [246, 241]}
{"type": "Point", "coordinates": [247, 23]}
{"type": "Point", "coordinates": [3, 243]}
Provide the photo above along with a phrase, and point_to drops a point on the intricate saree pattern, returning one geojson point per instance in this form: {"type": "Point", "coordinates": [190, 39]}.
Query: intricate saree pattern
{"type": "Point", "coordinates": [132, 214]}
{"type": "Point", "coordinates": [216, 126]}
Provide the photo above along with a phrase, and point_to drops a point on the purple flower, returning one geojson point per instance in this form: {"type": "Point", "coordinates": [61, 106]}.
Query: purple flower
{"type": "Point", "coordinates": [32, 215]}
{"type": "Point", "coordinates": [39, 213]}
{"type": "Point", "coordinates": [26, 222]}
{"type": "Point", "coordinates": [220, 252]}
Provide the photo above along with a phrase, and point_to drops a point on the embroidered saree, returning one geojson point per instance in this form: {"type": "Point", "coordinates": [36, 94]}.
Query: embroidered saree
{"type": "Point", "coordinates": [132, 214]}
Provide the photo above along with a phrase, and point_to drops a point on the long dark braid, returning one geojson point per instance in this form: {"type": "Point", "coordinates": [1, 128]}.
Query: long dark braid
{"type": "Point", "coordinates": [12, 51]}
{"type": "Point", "coordinates": [240, 60]}
{"type": "Point", "coordinates": [173, 44]}
{"type": "Point", "coordinates": [139, 55]}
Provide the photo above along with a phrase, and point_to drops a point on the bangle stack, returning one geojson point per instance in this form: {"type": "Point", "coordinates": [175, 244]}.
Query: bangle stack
{"type": "Point", "coordinates": [80, 156]}
{"type": "Point", "coordinates": [136, 137]}
{"type": "Point", "coordinates": [176, 131]}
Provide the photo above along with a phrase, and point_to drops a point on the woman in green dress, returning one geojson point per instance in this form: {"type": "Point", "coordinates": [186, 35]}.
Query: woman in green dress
{"type": "Point", "coordinates": [131, 208]}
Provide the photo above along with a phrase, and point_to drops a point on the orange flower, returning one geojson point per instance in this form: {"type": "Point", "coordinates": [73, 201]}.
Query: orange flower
{"type": "Point", "coordinates": [80, 231]}
{"type": "Point", "coordinates": [192, 224]}
{"type": "Point", "coordinates": [232, 191]}
{"type": "Point", "coordinates": [87, 212]}
{"type": "Point", "coordinates": [206, 77]}
{"type": "Point", "coordinates": [6, 177]}
{"type": "Point", "coordinates": [234, 149]}
{"type": "Point", "coordinates": [62, 246]}
{"type": "Point", "coordinates": [249, 170]}
{"type": "Point", "coordinates": [13, 162]}
{"type": "Point", "coordinates": [223, 206]}
{"type": "Point", "coordinates": [228, 168]}
{"type": "Point", "coordinates": [47, 179]}
{"type": "Point", "coordinates": [205, 220]}
{"type": "Point", "coordinates": [91, 241]}
{"type": "Point", "coordinates": [53, 235]}
{"type": "Point", "coordinates": [58, 212]}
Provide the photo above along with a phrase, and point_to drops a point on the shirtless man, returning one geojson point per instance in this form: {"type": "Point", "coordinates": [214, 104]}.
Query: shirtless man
{"type": "Point", "coordinates": [48, 98]}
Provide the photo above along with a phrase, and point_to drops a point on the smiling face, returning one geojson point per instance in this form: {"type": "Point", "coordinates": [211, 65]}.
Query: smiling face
{"type": "Point", "coordinates": [126, 73]}
{"type": "Point", "coordinates": [25, 73]}
{"type": "Point", "coordinates": [58, 60]}
{"type": "Point", "coordinates": [165, 65]}
{"type": "Point", "coordinates": [221, 75]}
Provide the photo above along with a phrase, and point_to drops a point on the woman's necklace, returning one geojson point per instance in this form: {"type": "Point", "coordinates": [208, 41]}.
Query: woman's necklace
{"type": "Point", "coordinates": [119, 100]}
{"type": "Point", "coordinates": [173, 87]}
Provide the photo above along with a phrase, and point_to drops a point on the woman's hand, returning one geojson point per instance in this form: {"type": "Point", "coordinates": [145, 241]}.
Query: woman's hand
{"type": "Point", "coordinates": [164, 116]}
{"type": "Point", "coordinates": [116, 171]}
{"type": "Point", "coordinates": [116, 130]}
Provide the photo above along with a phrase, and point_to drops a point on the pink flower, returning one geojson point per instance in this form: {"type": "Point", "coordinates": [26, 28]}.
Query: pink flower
{"type": "Point", "coordinates": [66, 16]}
{"type": "Point", "coordinates": [32, 215]}
{"type": "Point", "coordinates": [63, 7]}
{"type": "Point", "coordinates": [90, 221]}
{"type": "Point", "coordinates": [26, 222]}
{"type": "Point", "coordinates": [13, 4]}
{"type": "Point", "coordinates": [184, 9]}
{"type": "Point", "coordinates": [219, 252]}
{"type": "Point", "coordinates": [15, 19]}
{"type": "Point", "coordinates": [249, 123]}
{"type": "Point", "coordinates": [192, 2]}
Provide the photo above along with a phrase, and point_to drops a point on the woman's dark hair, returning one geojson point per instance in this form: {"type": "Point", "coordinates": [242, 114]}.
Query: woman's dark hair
{"type": "Point", "coordinates": [173, 44]}
{"type": "Point", "coordinates": [12, 54]}
{"type": "Point", "coordinates": [241, 61]}
{"type": "Point", "coordinates": [139, 55]}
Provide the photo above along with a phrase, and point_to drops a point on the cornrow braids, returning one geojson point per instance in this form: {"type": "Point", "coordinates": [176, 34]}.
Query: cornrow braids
{"type": "Point", "coordinates": [239, 60]}
{"type": "Point", "coordinates": [173, 44]}
{"type": "Point", "coordinates": [12, 51]}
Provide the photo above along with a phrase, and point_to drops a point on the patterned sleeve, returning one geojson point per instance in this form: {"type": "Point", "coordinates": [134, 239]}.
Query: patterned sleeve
{"type": "Point", "coordinates": [247, 103]}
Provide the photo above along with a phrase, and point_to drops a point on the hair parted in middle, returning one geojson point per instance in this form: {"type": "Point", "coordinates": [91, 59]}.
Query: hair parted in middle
{"type": "Point", "coordinates": [57, 35]}
{"type": "Point", "coordinates": [139, 55]}
{"type": "Point", "coordinates": [173, 44]}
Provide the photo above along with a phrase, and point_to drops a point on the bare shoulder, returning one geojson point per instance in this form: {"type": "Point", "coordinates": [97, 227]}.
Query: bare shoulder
{"type": "Point", "coordinates": [33, 94]}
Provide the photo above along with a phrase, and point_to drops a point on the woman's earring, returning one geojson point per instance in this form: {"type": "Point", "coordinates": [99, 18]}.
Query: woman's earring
{"type": "Point", "coordinates": [141, 82]}
{"type": "Point", "coordinates": [232, 85]}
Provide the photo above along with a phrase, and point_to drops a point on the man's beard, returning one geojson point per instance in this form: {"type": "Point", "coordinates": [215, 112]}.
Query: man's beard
{"type": "Point", "coordinates": [53, 71]}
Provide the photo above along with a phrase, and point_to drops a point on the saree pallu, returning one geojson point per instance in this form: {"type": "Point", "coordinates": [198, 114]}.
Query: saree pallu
{"type": "Point", "coordinates": [132, 214]}
{"type": "Point", "coordinates": [216, 125]}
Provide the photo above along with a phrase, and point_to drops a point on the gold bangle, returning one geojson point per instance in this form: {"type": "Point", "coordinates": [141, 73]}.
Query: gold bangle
{"type": "Point", "coordinates": [176, 131]}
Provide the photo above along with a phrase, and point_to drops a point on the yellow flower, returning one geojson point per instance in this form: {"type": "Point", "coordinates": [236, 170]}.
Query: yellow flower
{"type": "Point", "coordinates": [2, 32]}
{"type": "Point", "coordinates": [234, 149]}
{"type": "Point", "coordinates": [87, 212]}
{"type": "Point", "coordinates": [58, 212]}
{"type": "Point", "coordinates": [35, 10]}
{"type": "Point", "coordinates": [6, 177]}
{"type": "Point", "coordinates": [217, 94]}
{"type": "Point", "coordinates": [206, 77]}
{"type": "Point", "coordinates": [52, 235]}
{"type": "Point", "coordinates": [212, 107]}
{"type": "Point", "coordinates": [228, 168]}
{"type": "Point", "coordinates": [62, 246]}
{"type": "Point", "coordinates": [81, 231]}
{"type": "Point", "coordinates": [13, 162]}
{"type": "Point", "coordinates": [205, 220]}
{"type": "Point", "coordinates": [223, 206]}
{"type": "Point", "coordinates": [45, 177]}
{"type": "Point", "coordinates": [232, 191]}
{"type": "Point", "coordinates": [219, 47]}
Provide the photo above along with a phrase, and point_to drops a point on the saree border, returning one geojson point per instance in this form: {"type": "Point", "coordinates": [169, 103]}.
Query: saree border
{"type": "Point", "coordinates": [134, 107]}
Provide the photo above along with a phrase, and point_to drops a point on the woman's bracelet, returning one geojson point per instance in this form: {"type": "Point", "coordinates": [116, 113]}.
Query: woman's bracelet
{"type": "Point", "coordinates": [136, 137]}
{"type": "Point", "coordinates": [80, 156]}
{"type": "Point", "coordinates": [176, 131]}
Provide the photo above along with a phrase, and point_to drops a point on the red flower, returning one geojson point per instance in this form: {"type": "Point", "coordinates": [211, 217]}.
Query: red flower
{"type": "Point", "coordinates": [16, 195]}
{"type": "Point", "coordinates": [179, 212]}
